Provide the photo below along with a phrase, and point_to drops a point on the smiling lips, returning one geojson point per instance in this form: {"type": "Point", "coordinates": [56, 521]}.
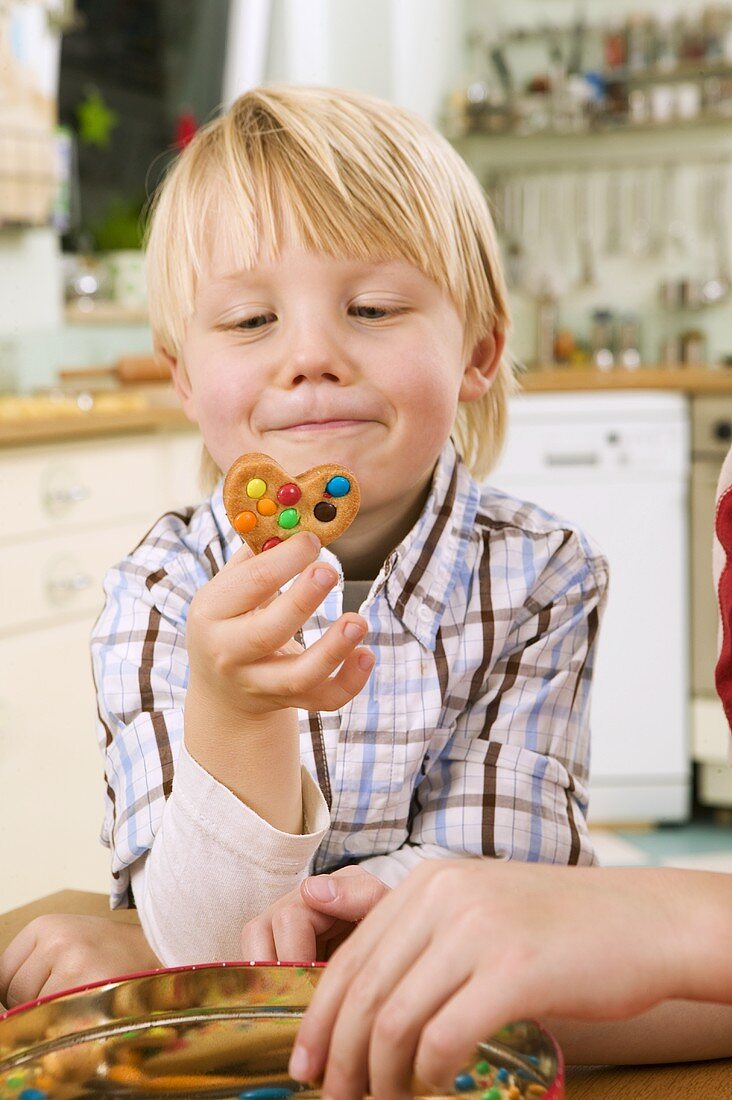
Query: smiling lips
{"type": "Point", "coordinates": [315, 425]}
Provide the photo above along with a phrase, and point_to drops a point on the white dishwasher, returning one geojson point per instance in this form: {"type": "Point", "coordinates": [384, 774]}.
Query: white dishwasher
{"type": "Point", "coordinates": [618, 465]}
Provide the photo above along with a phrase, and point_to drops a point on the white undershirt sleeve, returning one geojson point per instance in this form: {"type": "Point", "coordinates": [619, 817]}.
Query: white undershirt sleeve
{"type": "Point", "coordinates": [394, 867]}
{"type": "Point", "coordinates": [215, 864]}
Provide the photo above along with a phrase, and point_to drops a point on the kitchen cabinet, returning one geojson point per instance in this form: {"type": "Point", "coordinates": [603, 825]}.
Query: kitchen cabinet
{"type": "Point", "coordinates": [71, 510]}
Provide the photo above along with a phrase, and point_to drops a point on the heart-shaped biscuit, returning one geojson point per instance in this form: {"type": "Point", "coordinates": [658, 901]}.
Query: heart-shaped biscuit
{"type": "Point", "coordinates": [266, 505]}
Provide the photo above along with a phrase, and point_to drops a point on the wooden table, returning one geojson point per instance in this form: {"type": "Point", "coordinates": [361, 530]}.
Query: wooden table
{"type": "Point", "coordinates": [699, 1081]}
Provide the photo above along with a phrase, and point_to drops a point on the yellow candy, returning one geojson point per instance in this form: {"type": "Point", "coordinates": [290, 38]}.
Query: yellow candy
{"type": "Point", "coordinates": [256, 488]}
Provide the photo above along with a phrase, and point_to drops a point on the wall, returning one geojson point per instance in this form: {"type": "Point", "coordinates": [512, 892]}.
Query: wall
{"type": "Point", "coordinates": [407, 51]}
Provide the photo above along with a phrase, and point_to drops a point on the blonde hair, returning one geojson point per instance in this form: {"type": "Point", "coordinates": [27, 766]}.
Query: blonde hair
{"type": "Point", "coordinates": [343, 173]}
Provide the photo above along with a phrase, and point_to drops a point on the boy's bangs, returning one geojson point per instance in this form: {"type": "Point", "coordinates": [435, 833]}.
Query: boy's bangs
{"type": "Point", "coordinates": [288, 200]}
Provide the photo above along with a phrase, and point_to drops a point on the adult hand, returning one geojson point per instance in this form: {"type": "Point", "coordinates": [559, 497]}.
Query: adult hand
{"type": "Point", "coordinates": [62, 951]}
{"type": "Point", "coordinates": [462, 948]}
{"type": "Point", "coordinates": [307, 924]}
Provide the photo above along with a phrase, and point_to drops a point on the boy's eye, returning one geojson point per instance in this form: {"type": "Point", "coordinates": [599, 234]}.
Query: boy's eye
{"type": "Point", "coordinates": [258, 321]}
{"type": "Point", "coordinates": [373, 313]}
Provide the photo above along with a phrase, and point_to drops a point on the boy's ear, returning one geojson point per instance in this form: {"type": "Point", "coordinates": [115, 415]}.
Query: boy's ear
{"type": "Point", "coordinates": [481, 368]}
{"type": "Point", "coordinates": [181, 381]}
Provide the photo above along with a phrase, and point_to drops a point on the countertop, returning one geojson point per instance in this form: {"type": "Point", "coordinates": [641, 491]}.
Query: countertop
{"type": "Point", "coordinates": [689, 380]}
{"type": "Point", "coordinates": [28, 420]}
{"type": "Point", "coordinates": [48, 419]}
{"type": "Point", "coordinates": [700, 1081]}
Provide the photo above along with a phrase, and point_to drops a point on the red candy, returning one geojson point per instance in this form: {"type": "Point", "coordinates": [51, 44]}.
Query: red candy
{"type": "Point", "coordinates": [270, 543]}
{"type": "Point", "coordinates": [289, 493]}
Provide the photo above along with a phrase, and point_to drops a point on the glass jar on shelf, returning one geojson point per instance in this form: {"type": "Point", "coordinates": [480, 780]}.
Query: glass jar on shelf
{"type": "Point", "coordinates": [629, 355]}
{"type": "Point", "coordinates": [602, 339]}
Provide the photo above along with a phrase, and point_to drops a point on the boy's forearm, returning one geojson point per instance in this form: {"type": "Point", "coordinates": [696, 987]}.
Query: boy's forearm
{"type": "Point", "coordinates": [257, 758]}
{"type": "Point", "coordinates": [674, 1031]}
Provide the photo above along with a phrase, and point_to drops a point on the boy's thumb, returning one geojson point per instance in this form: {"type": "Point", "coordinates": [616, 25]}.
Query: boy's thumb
{"type": "Point", "coordinates": [346, 897]}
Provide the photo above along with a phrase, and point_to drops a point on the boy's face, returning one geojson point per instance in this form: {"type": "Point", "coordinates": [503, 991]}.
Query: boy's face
{"type": "Point", "coordinates": [312, 359]}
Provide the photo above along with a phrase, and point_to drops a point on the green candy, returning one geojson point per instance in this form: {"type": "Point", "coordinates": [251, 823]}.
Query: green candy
{"type": "Point", "coordinates": [289, 518]}
{"type": "Point", "coordinates": [483, 1068]}
{"type": "Point", "coordinates": [492, 1094]}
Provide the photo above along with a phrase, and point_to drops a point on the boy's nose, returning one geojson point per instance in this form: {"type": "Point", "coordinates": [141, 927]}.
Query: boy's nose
{"type": "Point", "coordinates": [312, 370]}
{"type": "Point", "coordinates": [315, 357]}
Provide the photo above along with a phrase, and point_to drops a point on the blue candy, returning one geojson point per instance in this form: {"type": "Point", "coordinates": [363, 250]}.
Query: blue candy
{"type": "Point", "coordinates": [32, 1094]}
{"type": "Point", "coordinates": [338, 486]}
{"type": "Point", "coordinates": [464, 1083]}
{"type": "Point", "coordinates": [502, 1075]}
{"type": "Point", "coordinates": [273, 1092]}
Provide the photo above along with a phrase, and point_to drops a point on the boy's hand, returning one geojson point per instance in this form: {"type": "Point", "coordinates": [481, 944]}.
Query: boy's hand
{"type": "Point", "coordinates": [462, 948]}
{"type": "Point", "coordinates": [241, 630]}
{"type": "Point", "coordinates": [308, 924]}
{"type": "Point", "coordinates": [59, 952]}
{"type": "Point", "coordinates": [248, 674]}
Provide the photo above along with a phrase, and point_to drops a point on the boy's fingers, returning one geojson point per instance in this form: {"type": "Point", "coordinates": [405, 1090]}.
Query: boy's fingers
{"type": "Point", "coordinates": [28, 981]}
{"type": "Point", "coordinates": [15, 956]}
{"type": "Point", "coordinates": [347, 683]}
{"type": "Point", "coordinates": [246, 581]}
{"type": "Point", "coordinates": [257, 941]}
{"type": "Point", "coordinates": [294, 933]}
{"type": "Point", "coordinates": [353, 895]}
{"type": "Point", "coordinates": [293, 679]}
{"type": "Point", "coordinates": [269, 628]}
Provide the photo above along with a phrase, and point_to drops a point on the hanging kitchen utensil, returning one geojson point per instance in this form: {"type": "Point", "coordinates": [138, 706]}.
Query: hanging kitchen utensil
{"type": "Point", "coordinates": [718, 289]}
{"type": "Point", "coordinates": [585, 249]}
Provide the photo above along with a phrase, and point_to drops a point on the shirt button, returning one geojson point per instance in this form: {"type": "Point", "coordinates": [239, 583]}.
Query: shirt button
{"type": "Point", "coordinates": [425, 614]}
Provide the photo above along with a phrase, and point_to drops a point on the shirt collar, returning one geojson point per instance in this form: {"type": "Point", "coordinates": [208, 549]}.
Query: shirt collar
{"type": "Point", "coordinates": [419, 576]}
{"type": "Point", "coordinates": [425, 567]}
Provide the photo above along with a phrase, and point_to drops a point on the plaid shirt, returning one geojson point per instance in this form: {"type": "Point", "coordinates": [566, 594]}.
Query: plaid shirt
{"type": "Point", "coordinates": [471, 736]}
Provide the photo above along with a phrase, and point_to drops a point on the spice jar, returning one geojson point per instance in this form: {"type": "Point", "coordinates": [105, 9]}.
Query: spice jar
{"type": "Point", "coordinates": [693, 347]}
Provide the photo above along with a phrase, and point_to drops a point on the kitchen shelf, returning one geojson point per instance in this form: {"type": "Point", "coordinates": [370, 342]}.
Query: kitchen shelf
{"type": "Point", "coordinates": [103, 313]}
{"type": "Point", "coordinates": [691, 380]}
{"type": "Point", "coordinates": [706, 137]}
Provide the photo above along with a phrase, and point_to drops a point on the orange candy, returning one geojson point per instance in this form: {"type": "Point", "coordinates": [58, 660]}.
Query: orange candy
{"type": "Point", "coordinates": [125, 1075]}
{"type": "Point", "coordinates": [266, 507]}
{"type": "Point", "coordinates": [245, 522]}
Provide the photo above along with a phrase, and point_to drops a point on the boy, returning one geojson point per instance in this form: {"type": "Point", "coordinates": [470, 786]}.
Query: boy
{"type": "Point", "coordinates": [325, 284]}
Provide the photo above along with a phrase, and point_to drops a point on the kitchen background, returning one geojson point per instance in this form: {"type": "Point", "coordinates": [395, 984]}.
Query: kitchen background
{"type": "Point", "coordinates": [602, 133]}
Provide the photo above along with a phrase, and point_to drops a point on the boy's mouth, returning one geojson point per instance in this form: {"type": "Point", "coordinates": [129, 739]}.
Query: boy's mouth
{"type": "Point", "coordinates": [317, 425]}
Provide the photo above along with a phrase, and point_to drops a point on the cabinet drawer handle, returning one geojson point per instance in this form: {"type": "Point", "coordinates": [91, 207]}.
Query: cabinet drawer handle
{"type": "Point", "coordinates": [60, 498]}
{"type": "Point", "coordinates": [66, 586]}
{"type": "Point", "coordinates": [577, 459]}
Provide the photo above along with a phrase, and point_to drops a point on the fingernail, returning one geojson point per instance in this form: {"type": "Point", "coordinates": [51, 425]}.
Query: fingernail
{"type": "Point", "coordinates": [317, 545]}
{"type": "Point", "coordinates": [353, 631]}
{"type": "Point", "coordinates": [299, 1064]}
{"type": "Point", "coordinates": [324, 578]}
{"type": "Point", "coordinates": [322, 888]}
{"type": "Point", "coordinates": [366, 660]}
